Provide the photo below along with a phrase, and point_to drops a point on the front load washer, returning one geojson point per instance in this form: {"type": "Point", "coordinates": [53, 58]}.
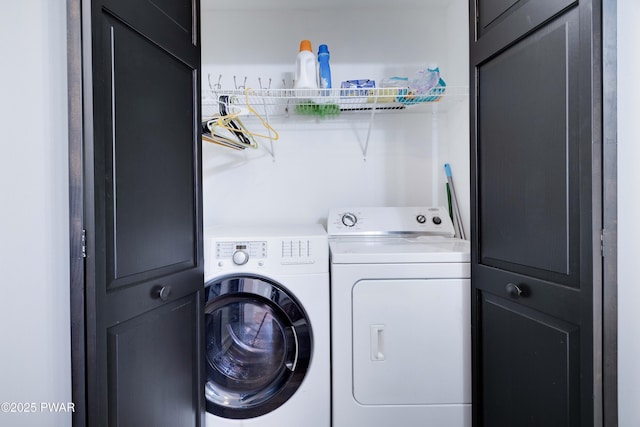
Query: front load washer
{"type": "Point", "coordinates": [267, 327]}
{"type": "Point", "coordinates": [401, 339]}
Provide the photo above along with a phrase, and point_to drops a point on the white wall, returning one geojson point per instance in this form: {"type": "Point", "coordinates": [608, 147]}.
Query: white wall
{"type": "Point", "coordinates": [628, 214]}
{"type": "Point", "coordinates": [319, 163]}
{"type": "Point", "coordinates": [458, 117]}
{"type": "Point", "coordinates": [34, 254]}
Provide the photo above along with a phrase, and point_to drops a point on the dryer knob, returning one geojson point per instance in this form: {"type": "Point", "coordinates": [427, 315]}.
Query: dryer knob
{"type": "Point", "coordinates": [240, 257]}
{"type": "Point", "coordinates": [349, 219]}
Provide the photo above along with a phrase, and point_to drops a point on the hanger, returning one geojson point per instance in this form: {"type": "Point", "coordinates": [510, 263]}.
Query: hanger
{"type": "Point", "coordinates": [209, 136]}
{"type": "Point", "coordinates": [216, 139]}
{"type": "Point", "coordinates": [232, 126]}
{"type": "Point", "coordinates": [231, 121]}
{"type": "Point", "coordinates": [275, 136]}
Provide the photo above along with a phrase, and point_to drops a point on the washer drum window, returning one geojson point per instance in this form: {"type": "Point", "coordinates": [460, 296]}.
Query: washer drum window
{"type": "Point", "coordinates": [258, 346]}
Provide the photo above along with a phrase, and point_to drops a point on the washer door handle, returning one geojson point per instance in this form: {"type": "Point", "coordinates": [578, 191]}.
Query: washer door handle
{"type": "Point", "coordinates": [292, 359]}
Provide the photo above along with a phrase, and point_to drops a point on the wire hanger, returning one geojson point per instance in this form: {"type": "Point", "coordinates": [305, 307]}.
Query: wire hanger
{"type": "Point", "coordinates": [231, 121]}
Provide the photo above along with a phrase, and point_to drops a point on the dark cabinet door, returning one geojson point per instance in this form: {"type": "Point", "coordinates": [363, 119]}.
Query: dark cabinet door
{"type": "Point", "coordinates": [535, 248]}
{"type": "Point", "coordinates": [143, 201]}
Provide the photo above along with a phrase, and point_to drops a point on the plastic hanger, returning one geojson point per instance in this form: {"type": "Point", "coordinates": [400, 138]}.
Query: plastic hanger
{"type": "Point", "coordinates": [264, 122]}
{"type": "Point", "coordinates": [234, 124]}
{"type": "Point", "coordinates": [229, 120]}
{"type": "Point", "coordinates": [209, 136]}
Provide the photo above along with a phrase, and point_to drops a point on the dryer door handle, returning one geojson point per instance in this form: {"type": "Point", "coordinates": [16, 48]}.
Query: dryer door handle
{"type": "Point", "coordinates": [377, 342]}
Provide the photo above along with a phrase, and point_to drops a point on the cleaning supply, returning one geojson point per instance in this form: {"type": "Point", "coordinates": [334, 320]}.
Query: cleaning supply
{"type": "Point", "coordinates": [323, 109]}
{"type": "Point", "coordinates": [306, 70]}
{"type": "Point", "coordinates": [324, 71]}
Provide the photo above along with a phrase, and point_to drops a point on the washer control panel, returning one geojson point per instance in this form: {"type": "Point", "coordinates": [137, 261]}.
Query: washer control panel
{"type": "Point", "coordinates": [433, 221]}
{"type": "Point", "coordinates": [266, 249]}
{"type": "Point", "coordinates": [240, 252]}
{"type": "Point", "coordinates": [258, 253]}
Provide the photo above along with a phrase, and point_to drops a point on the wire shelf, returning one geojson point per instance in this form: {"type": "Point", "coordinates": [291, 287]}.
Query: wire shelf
{"type": "Point", "coordinates": [275, 102]}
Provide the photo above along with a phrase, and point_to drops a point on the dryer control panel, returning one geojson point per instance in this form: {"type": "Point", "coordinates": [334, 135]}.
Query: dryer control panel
{"type": "Point", "coordinates": [395, 221]}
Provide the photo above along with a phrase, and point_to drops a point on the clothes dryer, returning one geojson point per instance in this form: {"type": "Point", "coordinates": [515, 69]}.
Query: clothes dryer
{"type": "Point", "coordinates": [267, 327]}
{"type": "Point", "coordinates": [400, 295]}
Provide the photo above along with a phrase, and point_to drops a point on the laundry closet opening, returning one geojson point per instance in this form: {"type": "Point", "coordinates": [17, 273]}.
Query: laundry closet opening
{"type": "Point", "coordinates": [332, 154]}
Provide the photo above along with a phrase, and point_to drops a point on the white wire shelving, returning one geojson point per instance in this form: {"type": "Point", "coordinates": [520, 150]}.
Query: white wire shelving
{"type": "Point", "coordinates": [325, 102]}
{"type": "Point", "coordinates": [270, 103]}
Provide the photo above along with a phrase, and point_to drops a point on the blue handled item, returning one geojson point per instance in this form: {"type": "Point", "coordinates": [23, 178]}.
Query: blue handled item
{"type": "Point", "coordinates": [324, 70]}
{"type": "Point", "coordinates": [457, 219]}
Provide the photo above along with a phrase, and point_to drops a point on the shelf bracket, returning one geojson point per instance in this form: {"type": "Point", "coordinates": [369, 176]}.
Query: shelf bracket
{"type": "Point", "coordinates": [270, 150]}
{"type": "Point", "coordinates": [366, 142]}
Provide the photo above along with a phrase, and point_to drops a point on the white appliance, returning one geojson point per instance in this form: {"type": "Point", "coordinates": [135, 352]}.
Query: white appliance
{"type": "Point", "coordinates": [267, 326]}
{"type": "Point", "coordinates": [401, 339]}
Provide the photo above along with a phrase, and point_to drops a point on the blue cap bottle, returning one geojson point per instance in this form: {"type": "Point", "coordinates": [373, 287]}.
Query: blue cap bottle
{"type": "Point", "coordinates": [324, 72]}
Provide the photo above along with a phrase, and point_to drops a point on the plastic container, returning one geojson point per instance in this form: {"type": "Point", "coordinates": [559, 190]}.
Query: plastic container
{"type": "Point", "coordinates": [306, 70]}
{"type": "Point", "coordinates": [324, 71]}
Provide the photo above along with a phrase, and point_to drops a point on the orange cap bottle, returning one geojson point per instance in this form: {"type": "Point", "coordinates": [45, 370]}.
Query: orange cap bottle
{"type": "Point", "coordinates": [306, 75]}
{"type": "Point", "coordinates": [305, 45]}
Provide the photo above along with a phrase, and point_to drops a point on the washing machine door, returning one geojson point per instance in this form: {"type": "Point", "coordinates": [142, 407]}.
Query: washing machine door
{"type": "Point", "coordinates": [258, 346]}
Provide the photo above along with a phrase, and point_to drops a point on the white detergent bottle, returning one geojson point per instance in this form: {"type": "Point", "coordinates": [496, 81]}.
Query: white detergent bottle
{"type": "Point", "coordinates": [306, 69]}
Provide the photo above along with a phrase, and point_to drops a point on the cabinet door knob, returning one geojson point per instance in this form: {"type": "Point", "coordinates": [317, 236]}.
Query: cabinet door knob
{"type": "Point", "coordinates": [513, 290]}
{"type": "Point", "coordinates": [162, 292]}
